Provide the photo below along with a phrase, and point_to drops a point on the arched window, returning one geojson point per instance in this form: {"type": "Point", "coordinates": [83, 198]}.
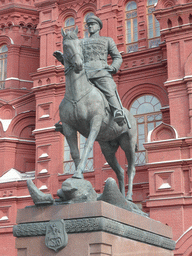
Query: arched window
{"type": "Point", "coordinates": [131, 27]}
{"type": "Point", "coordinates": [69, 166]}
{"type": "Point", "coordinates": [169, 23]}
{"type": "Point", "coordinates": [146, 110]}
{"type": "Point", "coordinates": [69, 24]}
{"type": "Point", "coordinates": [153, 25]}
{"type": "Point", "coordinates": [85, 29]}
{"type": "Point", "coordinates": [3, 65]}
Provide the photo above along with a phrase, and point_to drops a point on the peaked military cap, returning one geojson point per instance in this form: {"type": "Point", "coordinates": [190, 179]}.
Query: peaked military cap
{"type": "Point", "coordinates": [94, 19]}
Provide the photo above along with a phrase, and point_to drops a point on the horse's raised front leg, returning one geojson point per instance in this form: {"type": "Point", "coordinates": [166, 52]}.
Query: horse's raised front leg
{"type": "Point", "coordinates": [71, 137]}
{"type": "Point", "coordinates": [94, 130]}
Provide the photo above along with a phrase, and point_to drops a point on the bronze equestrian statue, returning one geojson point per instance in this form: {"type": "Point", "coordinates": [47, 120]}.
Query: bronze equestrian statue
{"type": "Point", "coordinates": [86, 110]}
{"type": "Point", "coordinates": [96, 49]}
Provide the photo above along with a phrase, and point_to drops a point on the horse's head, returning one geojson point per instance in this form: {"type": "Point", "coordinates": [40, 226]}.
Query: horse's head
{"type": "Point", "coordinates": [72, 50]}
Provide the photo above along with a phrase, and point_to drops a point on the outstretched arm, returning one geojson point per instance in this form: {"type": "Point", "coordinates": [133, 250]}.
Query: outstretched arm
{"type": "Point", "coordinates": [59, 56]}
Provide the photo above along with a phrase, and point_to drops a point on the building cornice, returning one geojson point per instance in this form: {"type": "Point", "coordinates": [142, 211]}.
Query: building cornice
{"type": "Point", "coordinates": [172, 9]}
{"type": "Point", "coordinates": [12, 8]}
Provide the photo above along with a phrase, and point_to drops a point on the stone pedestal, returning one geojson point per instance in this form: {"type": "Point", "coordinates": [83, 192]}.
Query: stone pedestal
{"type": "Point", "coordinates": [94, 229]}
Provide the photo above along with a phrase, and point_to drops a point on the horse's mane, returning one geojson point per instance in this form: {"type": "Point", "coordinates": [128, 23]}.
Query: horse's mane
{"type": "Point", "coordinates": [70, 35]}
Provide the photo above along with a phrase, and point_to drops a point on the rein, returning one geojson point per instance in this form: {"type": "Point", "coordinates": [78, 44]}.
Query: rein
{"type": "Point", "coordinates": [88, 70]}
{"type": "Point", "coordinates": [76, 54]}
{"type": "Point", "coordinates": [71, 65]}
{"type": "Point", "coordinates": [74, 102]}
{"type": "Point", "coordinates": [69, 68]}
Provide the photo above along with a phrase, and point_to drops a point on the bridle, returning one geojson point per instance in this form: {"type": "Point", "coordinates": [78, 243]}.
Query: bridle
{"type": "Point", "coordinates": [81, 56]}
{"type": "Point", "coordinates": [70, 60]}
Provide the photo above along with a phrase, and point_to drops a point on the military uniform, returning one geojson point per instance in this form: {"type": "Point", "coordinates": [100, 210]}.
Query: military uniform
{"type": "Point", "coordinates": [95, 51]}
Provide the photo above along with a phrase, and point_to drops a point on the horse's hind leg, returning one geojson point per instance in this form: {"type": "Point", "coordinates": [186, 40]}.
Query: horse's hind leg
{"type": "Point", "coordinates": [71, 137]}
{"type": "Point", "coordinates": [128, 145]}
{"type": "Point", "coordinates": [109, 151]}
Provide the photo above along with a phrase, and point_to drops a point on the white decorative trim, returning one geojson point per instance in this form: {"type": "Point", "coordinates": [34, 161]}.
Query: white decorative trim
{"type": "Point", "coordinates": [10, 226]}
{"type": "Point", "coordinates": [172, 161]}
{"type": "Point", "coordinates": [47, 67]}
{"type": "Point", "coordinates": [185, 77]}
{"type": "Point", "coordinates": [149, 136]}
{"type": "Point", "coordinates": [159, 141]}
{"type": "Point", "coordinates": [14, 139]}
{"type": "Point", "coordinates": [43, 187]}
{"type": "Point", "coordinates": [164, 186]}
{"type": "Point", "coordinates": [15, 78]}
{"type": "Point", "coordinates": [176, 80]}
{"type": "Point", "coordinates": [41, 86]}
{"type": "Point", "coordinates": [167, 198]}
{"type": "Point", "coordinates": [44, 155]}
{"type": "Point", "coordinates": [45, 116]}
{"type": "Point", "coordinates": [166, 107]}
{"type": "Point", "coordinates": [43, 171]}
{"type": "Point", "coordinates": [11, 40]}
{"type": "Point", "coordinates": [14, 175]}
{"type": "Point", "coordinates": [4, 218]}
{"type": "Point", "coordinates": [184, 25]}
{"type": "Point", "coordinates": [44, 129]}
{"type": "Point", "coordinates": [190, 228]}
{"type": "Point", "coordinates": [176, 133]}
{"type": "Point", "coordinates": [15, 197]}
{"type": "Point", "coordinates": [12, 78]}
{"type": "Point", "coordinates": [5, 123]}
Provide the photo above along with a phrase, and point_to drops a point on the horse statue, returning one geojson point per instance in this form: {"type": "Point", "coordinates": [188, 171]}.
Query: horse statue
{"type": "Point", "coordinates": [85, 109]}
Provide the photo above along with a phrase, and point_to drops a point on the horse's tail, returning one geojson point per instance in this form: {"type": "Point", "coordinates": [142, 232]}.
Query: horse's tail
{"type": "Point", "coordinates": [59, 127]}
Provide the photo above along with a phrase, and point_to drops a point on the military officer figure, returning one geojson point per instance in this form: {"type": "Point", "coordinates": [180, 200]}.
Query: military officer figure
{"type": "Point", "coordinates": [96, 49]}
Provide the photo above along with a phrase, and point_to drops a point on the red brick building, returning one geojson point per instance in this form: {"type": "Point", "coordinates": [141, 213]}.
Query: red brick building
{"type": "Point", "coordinates": [154, 83]}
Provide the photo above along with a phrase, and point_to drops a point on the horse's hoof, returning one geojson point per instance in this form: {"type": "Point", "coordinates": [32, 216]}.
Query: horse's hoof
{"type": "Point", "coordinates": [128, 198]}
{"type": "Point", "coordinates": [78, 175]}
{"type": "Point", "coordinates": [39, 198]}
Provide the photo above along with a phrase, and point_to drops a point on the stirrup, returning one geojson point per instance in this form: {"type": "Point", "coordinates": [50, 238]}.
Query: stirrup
{"type": "Point", "coordinates": [118, 116]}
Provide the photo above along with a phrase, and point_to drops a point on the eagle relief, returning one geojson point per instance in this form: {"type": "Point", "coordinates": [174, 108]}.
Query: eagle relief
{"type": "Point", "coordinates": [56, 236]}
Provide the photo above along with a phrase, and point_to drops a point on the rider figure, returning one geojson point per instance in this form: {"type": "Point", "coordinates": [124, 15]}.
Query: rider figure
{"type": "Point", "coordinates": [96, 49]}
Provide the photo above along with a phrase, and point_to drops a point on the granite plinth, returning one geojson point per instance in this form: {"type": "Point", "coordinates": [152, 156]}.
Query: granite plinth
{"type": "Point", "coordinates": [95, 228]}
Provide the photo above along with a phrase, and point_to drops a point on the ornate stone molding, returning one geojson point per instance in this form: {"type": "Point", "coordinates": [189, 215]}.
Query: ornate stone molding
{"type": "Point", "coordinates": [95, 225]}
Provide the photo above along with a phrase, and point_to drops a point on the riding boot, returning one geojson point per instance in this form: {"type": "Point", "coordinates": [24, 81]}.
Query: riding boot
{"type": "Point", "coordinates": [116, 110]}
